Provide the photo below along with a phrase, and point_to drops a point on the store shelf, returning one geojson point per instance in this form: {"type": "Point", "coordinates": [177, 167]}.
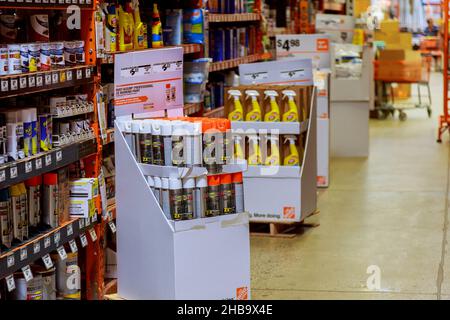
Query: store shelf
{"type": "Point", "coordinates": [192, 108]}
{"type": "Point", "coordinates": [215, 113]}
{"type": "Point", "coordinates": [47, 4]}
{"type": "Point", "coordinates": [189, 172]}
{"type": "Point", "coordinates": [271, 127]}
{"type": "Point", "coordinates": [14, 172]}
{"type": "Point", "coordinates": [74, 113]}
{"type": "Point", "coordinates": [109, 136]}
{"type": "Point", "coordinates": [33, 82]}
{"type": "Point", "coordinates": [112, 211]}
{"type": "Point", "coordinates": [233, 63]}
{"type": "Point", "coordinates": [187, 49]}
{"type": "Point", "coordinates": [39, 246]}
{"type": "Point", "coordinates": [233, 17]}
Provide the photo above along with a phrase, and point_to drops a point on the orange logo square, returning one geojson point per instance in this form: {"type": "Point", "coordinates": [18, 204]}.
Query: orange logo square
{"type": "Point", "coordinates": [321, 180]}
{"type": "Point", "coordinates": [289, 213]}
{"type": "Point", "coordinates": [322, 44]}
{"type": "Point", "coordinates": [242, 293]}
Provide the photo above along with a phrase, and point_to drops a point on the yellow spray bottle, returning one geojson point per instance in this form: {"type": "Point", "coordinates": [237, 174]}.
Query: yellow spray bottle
{"type": "Point", "coordinates": [254, 152]}
{"type": "Point", "coordinates": [291, 115]}
{"type": "Point", "coordinates": [126, 28]}
{"type": "Point", "coordinates": [238, 152]}
{"type": "Point", "coordinates": [255, 113]}
{"type": "Point", "coordinates": [274, 114]}
{"type": "Point", "coordinates": [274, 158]}
{"type": "Point", "coordinates": [293, 159]}
{"type": "Point", "coordinates": [140, 30]}
{"type": "Point", "coordinates": [238, 113]}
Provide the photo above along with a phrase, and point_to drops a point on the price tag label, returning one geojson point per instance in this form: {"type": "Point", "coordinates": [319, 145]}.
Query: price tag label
{"type": "Point", "coordinates": [73, 246]}
{"type": "Point", "coordinates": [10, 261]}
{"type": "Point", "coordinates": [256, 77]}
{"type": "Point", "coordinates": [14, 84]}
{"type": "Point", "coordinates": [62, 253]}
{"type": "Point", "coordinates": [52, 1]}
{"type": "Point", "coordinates": [58, 156]}
{"type": "Point", "coordinates": [48, 160]}
{"type": "Point", "coordinates": [5, 85]}
{"type": "Point", "coordinates": [39, 80]}
{"type": "Point", "coordinates": [2, 175]}
{"type": "Point", "coordinates": [55, 78]}
{"type": "Point", "coordinates": [93, 234]}
{"type": "Point", "coordinates": [44, 1]}
{"type": "Point", "coordinates": [88, 73]}
{"type": "Point", "coordinates": [61, 1]}
{"type": "Point", "coordinates": [112, 226]}
{"type": "Point", "coordinates": [31, 81]}
{"type": "Point", "coordinates": [81, 223]}
{"type": "Point", "coordinates": [38, 163]}
{"type": "Point", "coordinates": [23, 82]}
{"type": "Point", "coordinates": [36, 247]}
{"type": "Point", "coordinates": [47, 242]}
{"type": "Point", "coordinates": [13, 172]}
{"type": "Point", "coordinates": [94, 218]}
{"type": "Point", "coordinates": [48, 263]}
{"type": "Point", "coordinates": [69, 230]}
{"type": "Point", "coordinates": [87, 222]}
{"type": "Point", "coordinates": [27, 273]}
{"type": "Point", "coordinates": [88, 1]}
{"type": "Point", "coordinates": [84, 241]}
{"type": "Point", "coordinates": [48, 79]}
{"type": "Point", "coordinates": [81, 1]}
{"type": "Point", "coordinates": [23, 254]}
{"type": "Point", "coordinates": [10, 283]}
{"type": "Point", "coordinates": [28, 167]}
{"type": "Point", "coordinates": [293, 74]}
{"type": "Point", "coordinates": [79, 74]}
{"type": "Point", "coordinates": [57, 237]}
{"type": "Point", "coordinates": [69, 75]}
{"type": "Point", "coordinates": [68, 1]}
{"type": "Point", "coordinates": [62, 76]}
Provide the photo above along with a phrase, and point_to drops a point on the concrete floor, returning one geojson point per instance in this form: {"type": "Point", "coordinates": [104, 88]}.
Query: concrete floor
{"type": "Point", "coordinates": [389, 210]}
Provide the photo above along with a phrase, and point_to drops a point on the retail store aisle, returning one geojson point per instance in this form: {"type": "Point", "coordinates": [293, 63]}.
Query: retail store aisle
{"type": "Point", "coordinates": [388, 210]}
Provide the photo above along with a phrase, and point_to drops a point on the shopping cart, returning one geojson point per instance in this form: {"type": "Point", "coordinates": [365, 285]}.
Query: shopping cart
{"type": "Point", "coordinates": [390, 73]}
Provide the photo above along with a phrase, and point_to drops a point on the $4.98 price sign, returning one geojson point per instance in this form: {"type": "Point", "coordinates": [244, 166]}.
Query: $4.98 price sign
{"type": "Point", "coordinates": [288, 44]}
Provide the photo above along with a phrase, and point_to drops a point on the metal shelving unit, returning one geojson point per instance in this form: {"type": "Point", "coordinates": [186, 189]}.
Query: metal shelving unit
{"type": "Point", "coordinates": [444, 120]}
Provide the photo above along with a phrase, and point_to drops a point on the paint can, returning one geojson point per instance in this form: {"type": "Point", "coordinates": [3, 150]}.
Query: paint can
{"type": "Point", "coordinates": [68, 277]}
{"type": "Point", "coordinates": [34, 57]}
{"type": "Point", "coordinates": [3, 60]}
{"type": "Point", "coordinates": [57, 55]}
{"type": "Point", "coordinates": [24, 57]}
{"type": "Point", "coordinates": [48, 282]}
{"type": "Point", "coordinates": [31, 290]}
{"type": "Point", "coordinates": [14, 59]}
{"type": "Point", "coordinates": [46, 56]}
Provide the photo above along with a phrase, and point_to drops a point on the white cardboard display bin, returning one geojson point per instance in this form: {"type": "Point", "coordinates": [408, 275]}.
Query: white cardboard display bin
{"type": "Point", "coordinates": [351, 100]}
{"type": "Point", "coordinates": [289, 193]}
{"type": "Point", "coordinates": [162, 259]}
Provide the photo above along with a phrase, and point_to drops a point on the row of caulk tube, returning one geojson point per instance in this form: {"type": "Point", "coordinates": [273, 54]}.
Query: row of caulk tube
{"type": "Point", "coordinates": [180, 142]}
{"type": "Point", "coordinates": [201, 197]}
{"type": "Point", "coordinates": [29, 208]}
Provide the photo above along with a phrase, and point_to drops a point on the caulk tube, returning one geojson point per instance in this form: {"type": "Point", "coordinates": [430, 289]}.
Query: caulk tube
{"type": "Point", "coordinates": [201, 185]}
{"type": "Point", "coordinates": [5, 219]}
{"type": "Point", "coordinates": [176, 199]}
{"type": "Point", "coordinates": [34, 202]}
{"type": "Point", "coordinates": [178, 144]}
{"type": "Point", "coordinates": [145, 142]}
{"type": "Point", "coordinates": [27, 117]}
{"type": "Point", "coordinates": [34, 132]}
{"type": "Point", "coordinates": [15, 135]}
{"type": "Point", "coordinates": [238, 191]}
{"type": "Point", "coordinates": [135, 127]}
{"type": "Point", "coordinates": [24, 210]}
{"type": "Point", "coordinates": [50, 200]}
{"type": "Point", "coordinates": [197, 151]}
{"type": "Point", "coordinates": [151, 183]}
{"type": "Point", "coordinates": [157, 189]}
{"type": "Point", "coordinates": [166, 137]}
{"type": "Point", "coordinates": [14, 191]}
{"type": "Point", "coordinates": [188, 198]}
{"type": "Point", "coordinates": [165, 200]}
{"type": "Point", "coordinates": [157, 144]}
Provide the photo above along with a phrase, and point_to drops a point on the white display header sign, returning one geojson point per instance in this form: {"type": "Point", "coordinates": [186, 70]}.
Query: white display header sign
{"type": "Point", "coordinates": [277, 72]}
{"type": "Point", "coordinates": [339, 27]}
{"type": "Point", "coordinates": [305, 46]}
{"type": "Point", "coordinates": [148, 80]}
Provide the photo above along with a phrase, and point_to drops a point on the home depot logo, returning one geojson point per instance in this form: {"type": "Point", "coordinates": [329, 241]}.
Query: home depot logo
{"type": "Point", "coordinates": [242, 293]}
{"type": "Point", "coordinates": [289, 213]}
{"type": "Point", "coordinates": [322, 44]}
